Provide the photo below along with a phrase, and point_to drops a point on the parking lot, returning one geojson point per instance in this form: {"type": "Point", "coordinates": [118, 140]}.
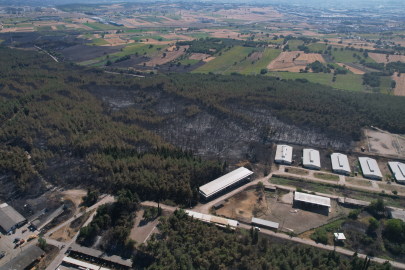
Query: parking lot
{"type": "Point", "coordinates": [7, 243]}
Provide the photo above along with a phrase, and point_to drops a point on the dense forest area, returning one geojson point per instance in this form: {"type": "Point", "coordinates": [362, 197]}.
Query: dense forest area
{"type": "Point", "coordinates": [185, 243]}
{"type": "Point", "coordinates": [49, 110]}
{"type": "Point", "coordinates": [72, 141]}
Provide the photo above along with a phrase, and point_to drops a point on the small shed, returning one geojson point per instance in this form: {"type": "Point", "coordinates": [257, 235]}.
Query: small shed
{"type": "Point", "coordinates": [218, 204]}
{"type": "Point", "coordinates": [339, 237]}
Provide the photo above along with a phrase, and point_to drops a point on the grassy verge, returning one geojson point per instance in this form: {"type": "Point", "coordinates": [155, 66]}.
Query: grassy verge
{"type": "Point", "coordinates": [358, 182]}
{"type": "Point", "coordinates": [327, 176]}
{"type": "Point", "coordinates": [296, 171]}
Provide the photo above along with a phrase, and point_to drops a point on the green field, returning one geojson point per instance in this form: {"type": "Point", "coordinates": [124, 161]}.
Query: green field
{"type": "Point", "coordinates": [346, 56]}
{"type": "Point", "coordinates": [278, 41]}
{"type": "Point", "coordinates": [152, 19]}
{"type": "Point", "coordinates": [317, 47]}
{"type": "Point", "coordinates": [222, 63]}
{"type": "Point", "coordinates": [101, 26]}
{"type": "Point", "coordinates": [199, 35]}
{"type": "Point", "coordinates": [97, 42]}
{"type": "Point", "coordinates": [44, 28]}
{"type": "Point", "coordinates": [17, 25]}
{"type": "Point", "coordinates": [351, 82]}
{"type": "Point", "coordinates": [60, 27]}
{"type": "Point", "coordinates": [268, 56]}
{"type": "Point", "coordinates": [294, 44]}
{"type": "Point", "coordinates": [189, 61]}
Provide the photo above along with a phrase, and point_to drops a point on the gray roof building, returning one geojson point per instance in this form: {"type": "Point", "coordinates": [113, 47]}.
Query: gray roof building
{"type": "Point", "coordinates": [24, 259]}
{"type": "Point", "coordinates": [9, 217]}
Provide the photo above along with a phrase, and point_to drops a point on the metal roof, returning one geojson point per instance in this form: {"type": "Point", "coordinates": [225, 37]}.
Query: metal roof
{"type": "Point", "coordinates": [81, 263]}
{"type": "Point", "coordinates": [340, 162]}
{"type": "Point", "coordinates": [100, 254]}
{"type": "Point", "coordinates": [284, 153]}
{"type": "Point", "coordinates": [370, 167]}
{"type": "Point", "coordinates": [398, 170]}
{"type": "Point", "coordinates": [210, 218]}
{"type": "Point", "coordinates": [314, 199]}
{"type": "Point", "coordinates": [339, 236]}
{"type": "Point", "coordinates": [24, 259]}
{"type": "Point", "coordinates": [221, 183]}
{"type": "Point", "coordinates": [9, 217]}
{"type": "Point", "coordinates": [311, 158]}
{"type": "Point", "coordinates": [265, 223]}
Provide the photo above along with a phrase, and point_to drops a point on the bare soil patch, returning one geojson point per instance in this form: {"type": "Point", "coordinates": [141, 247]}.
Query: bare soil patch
{"type": "Point", "coordinates": [399, 89]}
{"type": "Point", "coordinates": [243, 206]}
{"type": "Point", "coordinates": [380, 142]}
{"type": "Point", "coordinates": [209, 59]}
{"type": "Point", "coordinates": [199, 56]}
{"type": "Point", "coordinates": [255, 55]}
{"type": "Point", "coordinates": [310, 57]}
{"type": "Point", "coordinates": [352, 69]}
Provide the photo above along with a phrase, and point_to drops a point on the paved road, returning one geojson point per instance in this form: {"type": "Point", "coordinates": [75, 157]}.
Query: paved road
{"type": "Point", "coordinates": [58, 259]}
{"type": "Point", "coordinates": [287, 237]}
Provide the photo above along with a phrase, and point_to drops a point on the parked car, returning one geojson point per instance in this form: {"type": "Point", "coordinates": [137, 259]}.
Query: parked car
{"type": "Point", "coordinates": [257, 229]}
{"type": "Point", "coordinates": [2, 254]}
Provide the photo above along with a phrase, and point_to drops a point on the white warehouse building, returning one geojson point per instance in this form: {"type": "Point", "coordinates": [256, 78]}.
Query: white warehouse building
{"type": "Point", "coordinates": [212, 188]}
{"type": "Point", "coordinates": [398, 171]}
{"type": "Point", "coordinates": [311, 159]}
{"type": "Point", "coordinates": [370, 168]}
{"type": "Point", "coordinates": [283, 154]}
{"type": "Point", "coordinates": [340, 163]}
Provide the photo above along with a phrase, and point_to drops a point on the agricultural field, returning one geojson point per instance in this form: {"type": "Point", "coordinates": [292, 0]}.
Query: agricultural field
{"type": "Point", "coordinates": [350, 82]}
{"type": "Point", "coordinates": [293, 44]}
{"type": "Point", "coordinates": [317, 47]}
{"type": "Point", "coordinates": [222, 63]}
{"type": "Point", "coordinates": [382, 58]}
{"type": "Point", "coordinates": [98, 42]}
{"type": "Point", "coordinates": [284, 60]}
{"type": "Point", "coordinates": [346, 56]}
{"type": "Point", "coordinates": [268, 56]}
{"type": "Point", "coordinates": [160, 59]}
{"type": "Point", "coordinates": [101, 26]}
{"type": "Point", "coordinates": [399, 89]}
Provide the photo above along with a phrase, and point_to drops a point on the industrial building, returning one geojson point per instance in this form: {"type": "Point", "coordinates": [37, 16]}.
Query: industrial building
{"type": "Point", "coordinates": [264, 223]}
{"type": "Point", "coordinates": [340, 163]}
{"type": "Point", "coordinates": [370, 168]}
{"type": "Point", "coordinates": [311, 159]}
{"type": "Point", "coordinates": [228, 180]}
{"type": "Point", "coordinates": [312, 199]}
{"type": "Point", "coordinates": [283, 154]}
{"type": "Point", "coordinates": [222, 222]}
{"type": "Point", "coordinates": [101, 255]}
{"type": "Point", "coordinates": [25, 259]}
{"type": "Point", "coordinates": [10, 219]}
{"type": "Point", "coordinates": [398, 171]}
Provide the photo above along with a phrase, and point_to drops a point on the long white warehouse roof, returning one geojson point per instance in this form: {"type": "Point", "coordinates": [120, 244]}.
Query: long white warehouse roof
{"type": "Point", "coordinates": [265, 222]}
{"type": "Point", "coordinates": [213, 219]}
{"type": "Point", "coordinates": [314, 199]}
{"type": "Point", "coordinates": [311, 158]}
{"type": "Point", "coordinates": [284, 153]}
{"type": "Point", "coordinates": [224, 181]}
{"type": "Point", "coordinates": [398, 170]}
{"type": "Point", "coordinates": [369, 167]}
{"type": "Point", "coordinates": [340, 162]}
